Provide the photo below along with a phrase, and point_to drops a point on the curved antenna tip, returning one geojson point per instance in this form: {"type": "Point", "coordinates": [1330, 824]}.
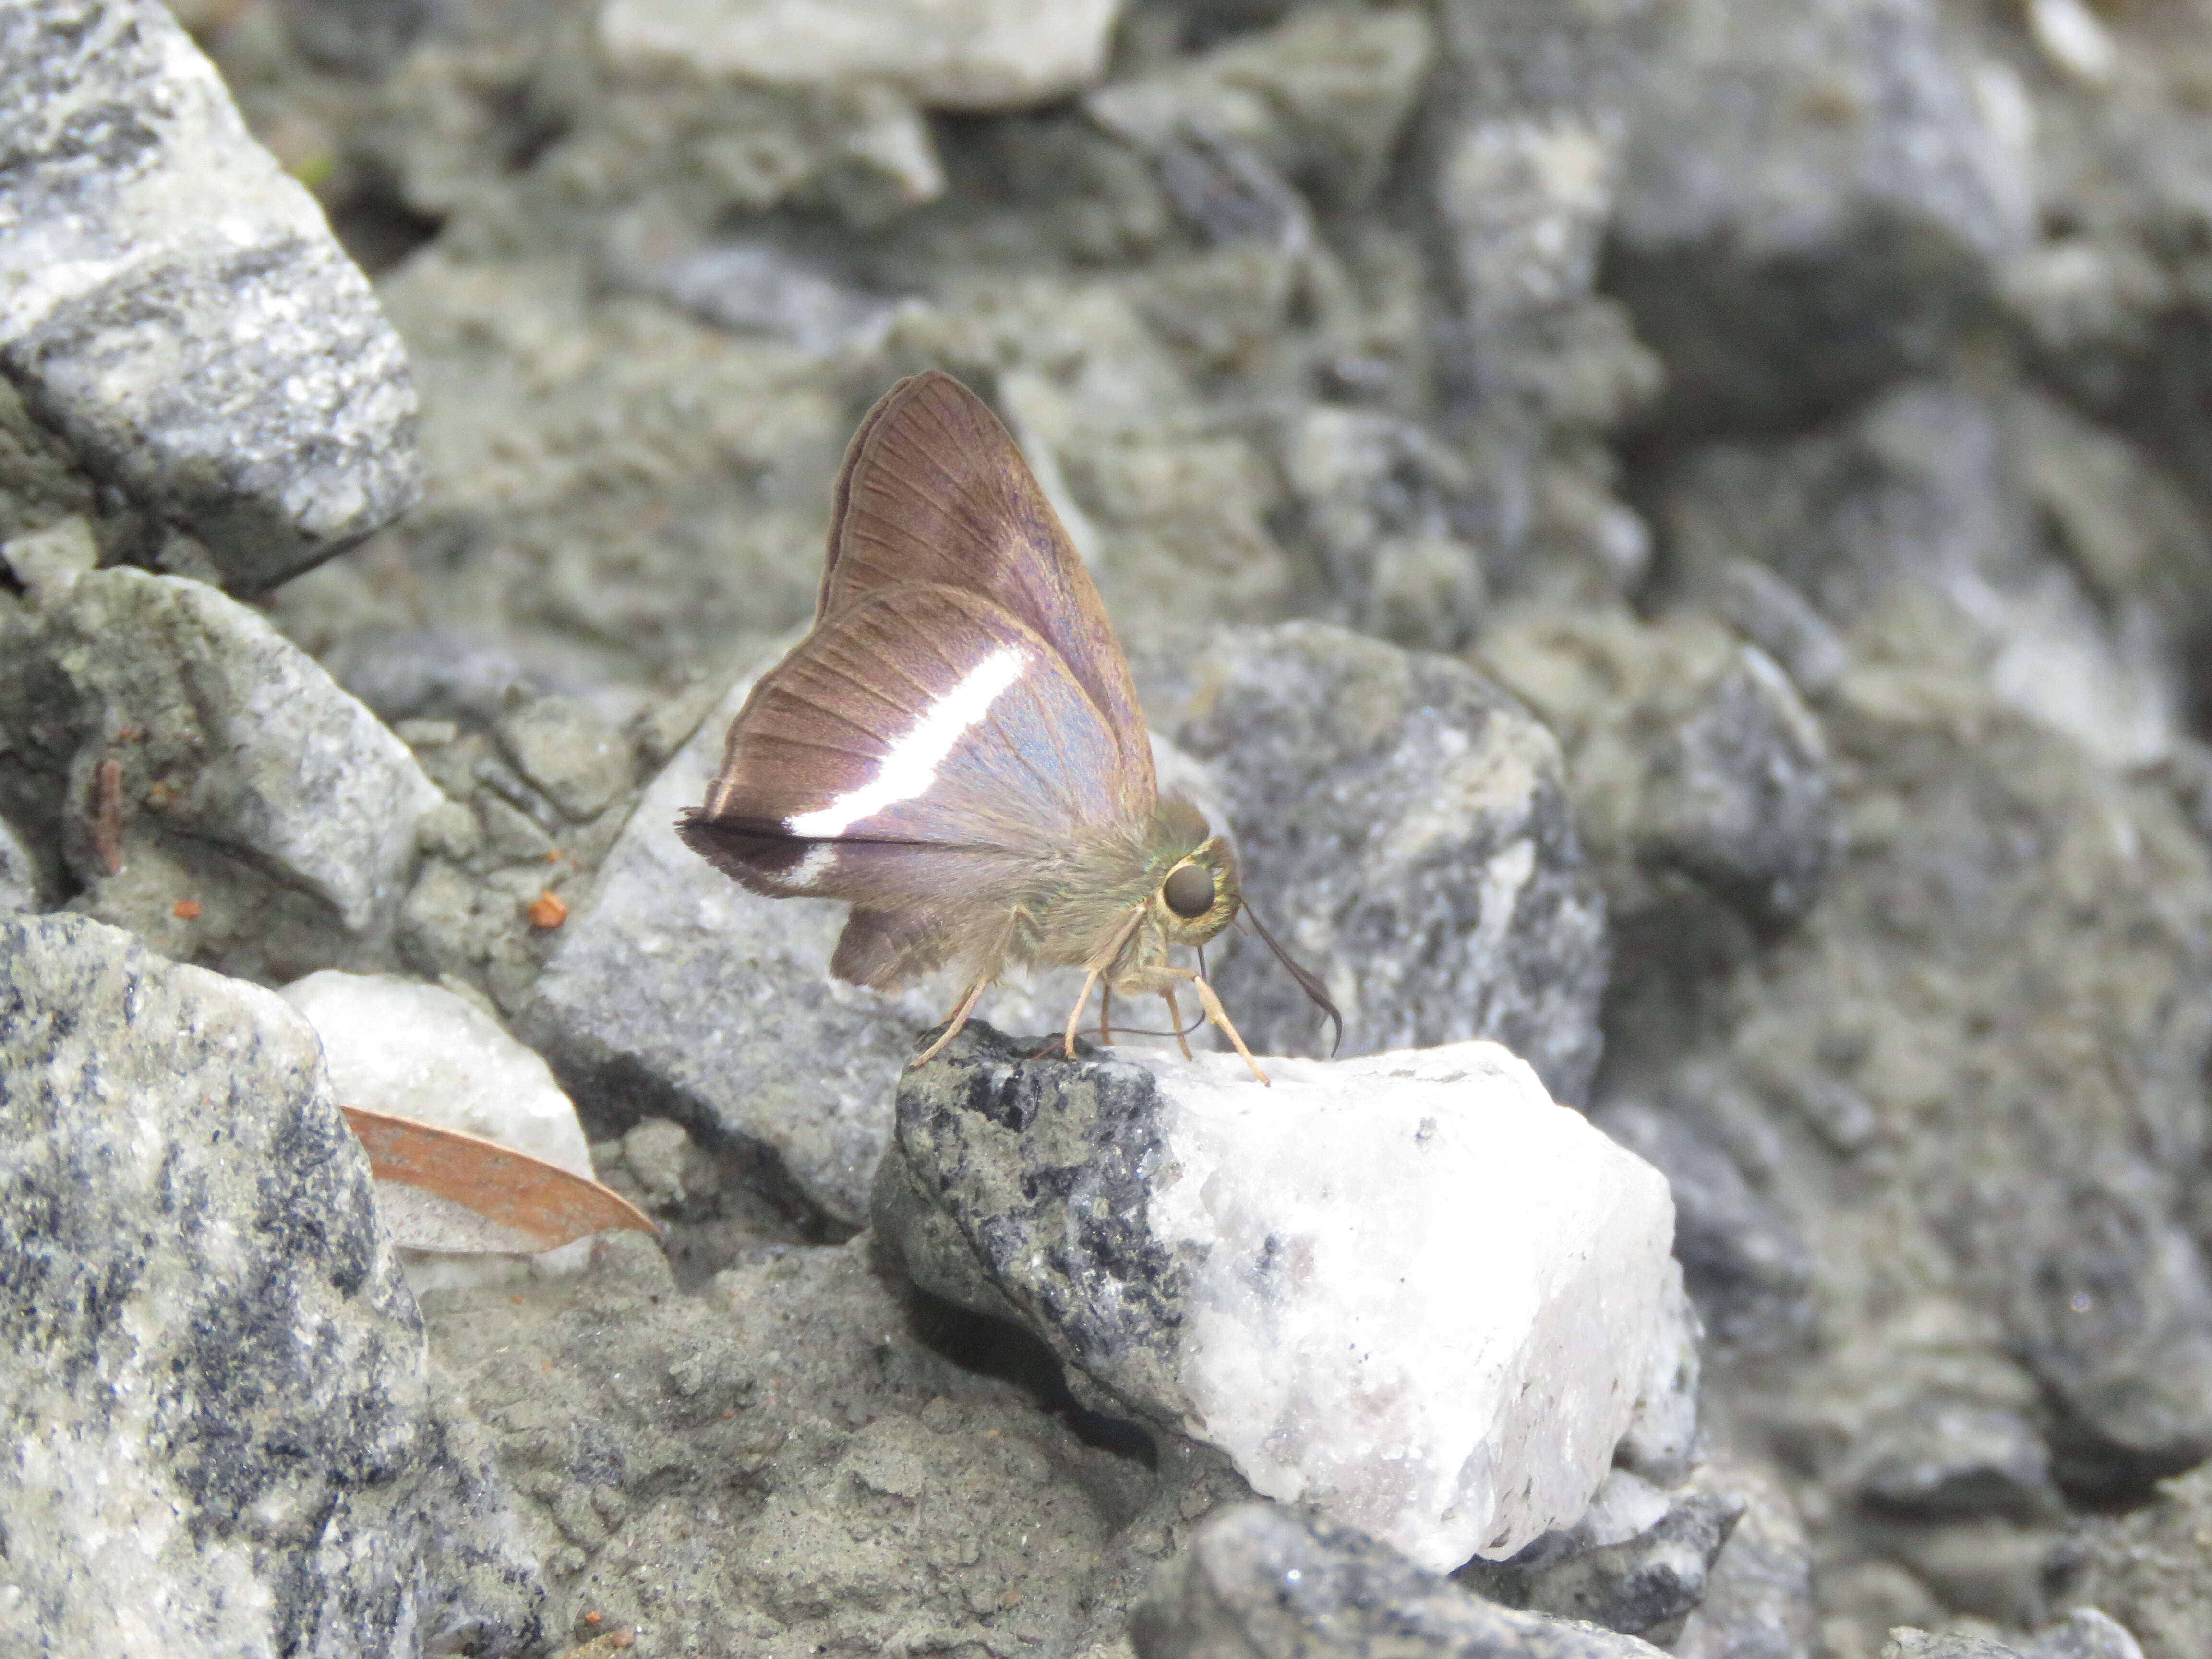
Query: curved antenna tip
{"type": "Point", "coordinates": [1308, 981]}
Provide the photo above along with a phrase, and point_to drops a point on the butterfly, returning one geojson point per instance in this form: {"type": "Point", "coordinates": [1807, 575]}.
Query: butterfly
{"type": "Point", "coordinates": [956, 748]}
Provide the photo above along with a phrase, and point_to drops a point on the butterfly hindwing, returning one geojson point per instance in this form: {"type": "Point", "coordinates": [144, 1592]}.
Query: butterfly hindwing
{"type": "Point", "coordinates": [936, 492]}
{"type": "Point", "coordinates": [913, 906]}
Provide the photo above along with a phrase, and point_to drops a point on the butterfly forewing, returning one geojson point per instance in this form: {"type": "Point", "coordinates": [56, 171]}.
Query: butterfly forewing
{"type": "Point", "coordinates": [935, 492]}
{"type": "Point", "coordinates": [919, 714]}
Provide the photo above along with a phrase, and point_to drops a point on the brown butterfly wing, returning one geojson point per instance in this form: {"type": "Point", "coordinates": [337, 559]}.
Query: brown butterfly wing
{"type": "Point", "coordinates": [921, 756]}
{"type": "Point", "coordinates": [924, 715]}
{"type": "Point", "coordinates": [935, 492]}
{"type": "Point", "coordinates": [913, 906]}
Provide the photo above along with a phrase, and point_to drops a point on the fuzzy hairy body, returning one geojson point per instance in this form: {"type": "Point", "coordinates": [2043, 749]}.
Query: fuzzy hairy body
{"type": "Point", "coordinates": [1091, 901]}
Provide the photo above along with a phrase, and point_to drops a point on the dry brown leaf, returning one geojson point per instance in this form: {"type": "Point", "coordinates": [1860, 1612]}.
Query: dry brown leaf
{"type": "Point", "coordinates": [547, 1204]}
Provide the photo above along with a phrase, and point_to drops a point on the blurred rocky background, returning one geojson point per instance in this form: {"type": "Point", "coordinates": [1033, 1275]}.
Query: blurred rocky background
{"type": "Point", "coordinates": [1678, 530]}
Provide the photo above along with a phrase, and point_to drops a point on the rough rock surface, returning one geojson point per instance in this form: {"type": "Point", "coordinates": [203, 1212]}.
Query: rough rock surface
{"type": "Point", "coordinates": [215, 1384]}
{"type": "Point", "coordinates": [537, 786]}
{"type": "Point", "coordinates": [205, 782]}
{"type": "Point", "coordinates": [176, 307]}
{"type": "Point", "coordinates": [1364, 784]}
{"type": "Point", "coordinates": [1744, 1262]}
{"type": "Point", "coordinates": [1275, 1271]}
{"type": "Point", "coordinates": [2038, 1322]}
{"type": "Point", "coordinates": [804, 1453]}
{"type": "Point", "coordinates": [975, 54]}
{"type": "Point", "coordinates": [1691, 758]}
{"type": "Point", "coordinates": [1758, 1602]}
{"type": "Point", "coordinates": [1995, 516]}
{"type": "Point", "coordinates": [1907, 1643]}
{"type": "Point", "coordinates": [2083, 1633]}
{"type": "Point", "coordinates": [1265, 1581]}
{"type": "Point", "coordinates": [1638, 1560]}
{"type": "Point", "coordinates": [23, 883]}
{"type": "Point", "coordinates": [2146, 1570]}
{"type": "Point", "coordinates": [1321, 97]}
{"type": "Point", "coordinates": [1811, 200]}
{"type": "Point", "coordinates": [1382, 502]}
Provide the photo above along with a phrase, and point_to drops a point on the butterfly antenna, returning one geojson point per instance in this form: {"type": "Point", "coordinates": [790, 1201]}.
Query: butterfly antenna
{"type": "Point", "coordinates": [1308, 981]}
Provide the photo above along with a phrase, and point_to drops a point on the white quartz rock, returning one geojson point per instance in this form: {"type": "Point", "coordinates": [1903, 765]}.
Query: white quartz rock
{"type": "Point", "coordinates": [1407, 1291]}
{"type": "Point", "coordinates": [413, 1050]}
{"type": "Point", "coordinates": [1427, 1298]}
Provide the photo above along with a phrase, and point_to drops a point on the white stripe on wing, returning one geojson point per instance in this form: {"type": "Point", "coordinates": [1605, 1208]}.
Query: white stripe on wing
{"type": "Point", "coordinates": [910, 766]}
{"type": "Point", "coordinates": [806, 875]}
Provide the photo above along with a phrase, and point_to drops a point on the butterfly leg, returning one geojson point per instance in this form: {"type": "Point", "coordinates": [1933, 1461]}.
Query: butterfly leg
{"type": "Point", "coordinates": [956, 1019]}
{"type": "Point", "coordinates": [1075, 1014]}
{"type": "Point", "coordinates": [1219, 1016]}
{"type": "Point", "coordinates": [1214, 1012]}
{"type": "Point", "coordinates": [1106, 1016]}
{"type": "Point", "coordinates": [1175, 1021]}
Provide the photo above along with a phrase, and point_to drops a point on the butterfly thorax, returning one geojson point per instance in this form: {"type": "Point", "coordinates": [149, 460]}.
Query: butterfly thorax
{"type": "Point", "coordinates": [1119, 900]}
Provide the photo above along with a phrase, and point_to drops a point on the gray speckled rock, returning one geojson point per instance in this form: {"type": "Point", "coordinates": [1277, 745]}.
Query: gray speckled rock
{"type": "Point", "coordinates": [175, 306]}
{"type": "Point", "coordinates": [2083, 1633]}
{"type": "Point", "coordinates": [242, 780]}
{"type": "Point", "coordinates": [213, 1379]}
{"type": "Point", "coordinates": [1637, 1562]}
{"type": "Point", "coordinates": [2146, 1570]}
{"type": "Point", "coordinates": [1382, 504]}
{"type": "Point", "coordinates": [1701, 788]}
{"type": "Point", "coordinates": [1813, 197]}
{"type": "Point", "coordinates": [1759, 1595]}
{"type": "Point", "coordinates": [970, 55]}
{"type": "Point", "coordinates": [22, 881]}
{"type": "Point", "coordinates": [1908, 1643]}
{"type": "Point", "coordinates": [568, 749]}
{"type": "Point", "coordinates": [1746, 1266]}
{"type": "Point", "coordinates": [1995, 518]}
{"type": "Point", "coordinates": [980, 1130]}
{"type": "Point", "coordinates": [1321, 98]}
{"type": "Point", "coordinates": [1405, 829]}
{"type": "Point", "coordinates": [1260, 1581]}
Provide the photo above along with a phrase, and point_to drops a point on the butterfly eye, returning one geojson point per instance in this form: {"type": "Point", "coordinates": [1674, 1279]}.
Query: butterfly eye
{"type": "Point", "coordinates": [1189, 891]}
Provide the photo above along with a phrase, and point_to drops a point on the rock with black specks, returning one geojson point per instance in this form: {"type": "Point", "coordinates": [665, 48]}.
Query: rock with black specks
{"type": "Point", "coordinates": [173, 304]}
{"type": "Point", "coordinates": [214, 1377]}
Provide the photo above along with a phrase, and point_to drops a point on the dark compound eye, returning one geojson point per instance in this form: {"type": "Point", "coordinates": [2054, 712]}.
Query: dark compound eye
{"type": "Point", "coordinates": [1189, 891]}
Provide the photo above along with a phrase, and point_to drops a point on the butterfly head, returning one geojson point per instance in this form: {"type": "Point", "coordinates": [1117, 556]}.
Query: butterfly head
{"type": "Point", "coordinates": [1198, 894]}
